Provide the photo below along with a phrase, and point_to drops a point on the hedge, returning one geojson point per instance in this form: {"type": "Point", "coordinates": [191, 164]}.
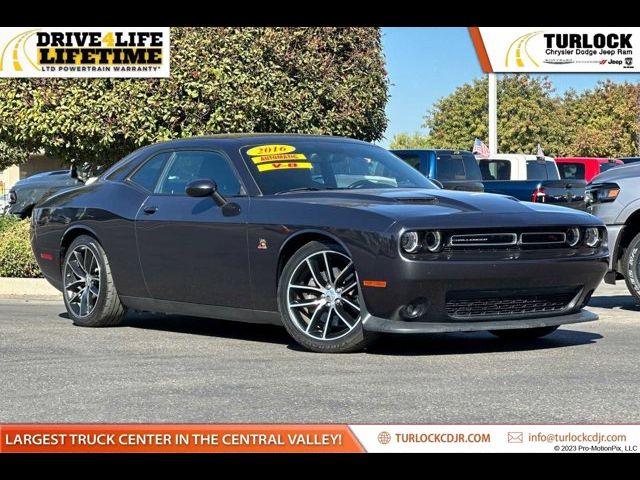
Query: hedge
{"type": "Point", "coordinates": [223, 79]}
{"type": "Point", "coordinates": [16, 257]}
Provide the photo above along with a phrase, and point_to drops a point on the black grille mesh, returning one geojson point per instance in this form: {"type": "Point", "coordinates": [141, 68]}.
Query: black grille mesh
{"type": "Point", "coordinates": [467, 306]}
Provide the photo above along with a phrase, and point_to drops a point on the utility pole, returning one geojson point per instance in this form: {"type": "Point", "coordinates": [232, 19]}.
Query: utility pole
{"type": "Point", "coordinates": [493, 114]}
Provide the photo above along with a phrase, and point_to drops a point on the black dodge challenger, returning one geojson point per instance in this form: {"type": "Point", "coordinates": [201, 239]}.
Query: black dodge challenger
{"type": "Point", "coordinates": [336, 239]}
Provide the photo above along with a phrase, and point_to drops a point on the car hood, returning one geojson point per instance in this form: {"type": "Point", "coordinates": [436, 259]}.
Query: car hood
{"type": "Point", "coordinates": [446, 207]}
{"type": "Point", "coordinates": [618, 173]}
{"type": "Point", "coordinates": [43, 177]}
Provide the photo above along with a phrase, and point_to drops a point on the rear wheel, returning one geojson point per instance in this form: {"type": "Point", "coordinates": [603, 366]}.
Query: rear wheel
{"type": "Point", "coordinates": [631, 265]}
{"type": "Point", "coordinates": [319, 300]}
{"type": "Point", "coordinates": [524, 333]}
{"type": "Point", "coordinates": [89, 293]}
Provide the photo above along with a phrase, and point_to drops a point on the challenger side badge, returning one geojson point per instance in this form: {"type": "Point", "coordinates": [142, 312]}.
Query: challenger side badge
{"type": "Point", "coordinates": [262, 244]}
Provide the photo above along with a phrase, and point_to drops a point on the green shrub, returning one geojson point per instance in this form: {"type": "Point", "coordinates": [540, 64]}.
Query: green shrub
{"type": "Point", "coordinates": [16, 257]}
{"type": "Point", "coordinates": [7, 221]}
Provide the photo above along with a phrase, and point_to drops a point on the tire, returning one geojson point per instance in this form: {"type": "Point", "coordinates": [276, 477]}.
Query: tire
{"type": "Point", "coordinates": [524, 333]}
{"type": "Point", "coordinates": [85, 308]}
{"type": "Point", "coordinates": [341, 303]}
{"type": "Point", "coordinates": [631, 265]}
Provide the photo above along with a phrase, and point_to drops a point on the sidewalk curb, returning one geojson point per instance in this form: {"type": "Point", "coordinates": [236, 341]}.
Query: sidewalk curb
{"type": "Point", "coordinates": [22, 288]}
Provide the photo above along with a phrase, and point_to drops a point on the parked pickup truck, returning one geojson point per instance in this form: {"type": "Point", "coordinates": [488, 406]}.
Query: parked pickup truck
{"type": "Point", "coordinates": [584, 168]}
{"type": "Point", "coordinates": [530, 178]}
{"type": "Point", "coordinates": [614, 197]}
{"type": "Point", "coordinates": [454, 169]}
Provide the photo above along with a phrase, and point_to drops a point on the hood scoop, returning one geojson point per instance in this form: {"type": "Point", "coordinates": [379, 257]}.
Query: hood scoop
{"type": "Point", "coordinates": [424, 200]}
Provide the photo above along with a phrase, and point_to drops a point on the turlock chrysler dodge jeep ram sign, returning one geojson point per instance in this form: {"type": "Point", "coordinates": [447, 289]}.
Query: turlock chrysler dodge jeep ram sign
{"type": "Point", "coordinates": [336, 239]}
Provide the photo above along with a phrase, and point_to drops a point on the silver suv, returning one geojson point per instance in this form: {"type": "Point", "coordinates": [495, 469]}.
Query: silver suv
{"type": "Point", "coordinates": [614, 196]}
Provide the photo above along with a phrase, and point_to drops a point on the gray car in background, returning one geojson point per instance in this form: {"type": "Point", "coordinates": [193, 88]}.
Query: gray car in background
{"type": "Point", "coordinates": [614, 196]}
{"type": "Point", "coordinates": [24, 195]}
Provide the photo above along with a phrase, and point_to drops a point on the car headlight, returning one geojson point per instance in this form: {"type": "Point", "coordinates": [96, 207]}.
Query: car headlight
{"type": "Point", "coordinates": [433, 241]}
{"type": "Point", "coordinates": [592, 237]}
{"type": "Point", "coordinates": [410, 242]}
{"type": "Point", "coordinates": [573, 237]}
{"type": "Point", "coordinates": [602, 193]}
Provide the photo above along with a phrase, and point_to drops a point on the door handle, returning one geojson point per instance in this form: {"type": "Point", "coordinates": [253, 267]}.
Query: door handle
{"type": "Point", "coordinates": [150, 210]}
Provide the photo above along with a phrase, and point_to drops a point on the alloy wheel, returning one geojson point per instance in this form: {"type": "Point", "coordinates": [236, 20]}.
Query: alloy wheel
{"type": "Point", "coordinates": [322, 295]}
{"type": "Point", "coordinates": [82, 281]}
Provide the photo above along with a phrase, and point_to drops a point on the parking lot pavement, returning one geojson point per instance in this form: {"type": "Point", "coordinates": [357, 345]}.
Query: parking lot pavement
{"type": "Point", "coordinates": [159, 368]}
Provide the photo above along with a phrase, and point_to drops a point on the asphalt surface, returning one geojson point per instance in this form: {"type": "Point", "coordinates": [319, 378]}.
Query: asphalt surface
{"type": "Point", "coordinates": [178, 369]}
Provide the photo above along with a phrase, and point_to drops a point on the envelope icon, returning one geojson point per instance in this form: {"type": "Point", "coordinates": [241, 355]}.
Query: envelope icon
{"type": "Point", "coordinates": [515, 437]}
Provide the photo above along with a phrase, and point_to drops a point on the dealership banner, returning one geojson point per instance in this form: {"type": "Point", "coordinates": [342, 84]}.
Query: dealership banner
{"type": "Point", "coordinates": [131, 52]}
{"type": "Point", "coordinates": [557, 49]}
{"type": "Point", "coordinates": [264, 438]}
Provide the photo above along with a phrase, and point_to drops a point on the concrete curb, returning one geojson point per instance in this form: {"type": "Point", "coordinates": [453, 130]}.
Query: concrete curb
{"type": "Point", "coordinates": [28, 288]}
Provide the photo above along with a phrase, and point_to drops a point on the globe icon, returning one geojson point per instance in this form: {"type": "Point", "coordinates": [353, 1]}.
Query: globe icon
{"type": "Point", "coordinates": [384, 438]}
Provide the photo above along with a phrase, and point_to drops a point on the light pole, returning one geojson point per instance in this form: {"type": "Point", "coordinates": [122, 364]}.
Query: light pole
{"type": "Point", "coordinates": [493, 114]}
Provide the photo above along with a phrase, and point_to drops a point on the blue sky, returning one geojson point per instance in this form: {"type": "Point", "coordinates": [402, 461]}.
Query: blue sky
{"type": "Point", "coordinates": [427, 63]}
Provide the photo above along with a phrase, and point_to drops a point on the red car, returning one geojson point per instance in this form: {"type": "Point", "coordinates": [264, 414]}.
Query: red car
{"type": "Point", "coordinates": [584, 168]}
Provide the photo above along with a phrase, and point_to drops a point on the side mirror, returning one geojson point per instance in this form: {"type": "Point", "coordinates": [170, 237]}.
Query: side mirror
{"type": "Point", "coordinates": [205, 188]}
{"type": "Point", "coordinates": [438, 183]}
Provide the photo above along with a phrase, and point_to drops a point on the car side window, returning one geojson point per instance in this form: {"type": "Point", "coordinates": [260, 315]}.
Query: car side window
{"type": "Point", "coordinates": [411, 159]}
{"type": "Point", "coordinates": [185, 166]}
{"type": "Point", "coordinates": [147, 176]}
{"type": "Point", "coordinates": [571, 171]}
{"type": "Point", "coordinates": [495, 169]}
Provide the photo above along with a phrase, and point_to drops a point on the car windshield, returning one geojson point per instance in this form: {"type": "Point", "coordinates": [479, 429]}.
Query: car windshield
{"type": "Point", "coordinates": [327, 165]}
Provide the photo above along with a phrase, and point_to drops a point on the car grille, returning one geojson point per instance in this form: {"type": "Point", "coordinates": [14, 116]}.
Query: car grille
{"type": "Point", "coordinates": [496, 304]}
{"type": "Point", "coordinates": [505, 240]}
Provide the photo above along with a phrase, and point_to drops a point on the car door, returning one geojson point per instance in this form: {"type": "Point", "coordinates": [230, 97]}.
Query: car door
{"type": "Point", "coordinates": [190, 249]}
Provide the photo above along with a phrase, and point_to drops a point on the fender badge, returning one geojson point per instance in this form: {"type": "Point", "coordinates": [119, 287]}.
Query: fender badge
{"type": "Point", "coordinates": [262, 244]}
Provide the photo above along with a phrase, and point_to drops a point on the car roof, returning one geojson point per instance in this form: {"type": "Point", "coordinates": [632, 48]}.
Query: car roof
{"type": "Point", "coordinates": [437, 150]}
{"type": "Point", "coordinates": [258, 137]}
{"type": "Point", "coordinates": [515, 156]}
{"type": "Point", "coordinates": [588, 159]}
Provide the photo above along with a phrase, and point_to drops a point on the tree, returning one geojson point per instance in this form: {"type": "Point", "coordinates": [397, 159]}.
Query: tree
{"type": "Point", "coordinates": [410, 140]}
{"type": "Point", "coordinates": [292, 80]}
{"type": "Point", "coordinates": [602, 122]}
{"type": "Point", "coordinates": [606, 120]}
{"type": "Point", "coordinates": [527, 115]}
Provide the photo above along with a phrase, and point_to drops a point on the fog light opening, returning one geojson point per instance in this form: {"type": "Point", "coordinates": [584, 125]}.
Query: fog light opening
{"type": "Point", "coordinates": [414, 309]}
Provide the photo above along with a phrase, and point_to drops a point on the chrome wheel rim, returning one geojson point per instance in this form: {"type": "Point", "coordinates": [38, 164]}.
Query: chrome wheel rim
{"type": "Point", "coordinates": [322, 296]}
{"type": "Point", "coordinates": [82, 281]}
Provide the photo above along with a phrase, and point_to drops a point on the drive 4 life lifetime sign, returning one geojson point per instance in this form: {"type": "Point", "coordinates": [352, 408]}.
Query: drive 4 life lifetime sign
{"type": "Point", "coordinates": [558, 49]}
{"type": "Point", "coordinates": [131, 52]}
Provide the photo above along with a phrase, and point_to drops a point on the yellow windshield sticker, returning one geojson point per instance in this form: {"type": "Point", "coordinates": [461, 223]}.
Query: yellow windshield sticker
{"type": "Point", "coordinates": [267, 167]}
{"type": "Point", "coordinates": [270, 150]}
{"type": "Point", "coordinates": [279, 158]}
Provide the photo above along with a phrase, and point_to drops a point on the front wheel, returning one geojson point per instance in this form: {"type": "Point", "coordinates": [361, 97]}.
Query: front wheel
{"type": "Point", "coordinates": [631, 265]}
{"type": "Point", "coordinates": [319, 300]}
{"type": "Point", "coordinates": [524, 333]}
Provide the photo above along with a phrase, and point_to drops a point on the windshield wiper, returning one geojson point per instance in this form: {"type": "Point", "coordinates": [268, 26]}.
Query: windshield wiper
{"type": "Point", "coordinates": [305, 189]}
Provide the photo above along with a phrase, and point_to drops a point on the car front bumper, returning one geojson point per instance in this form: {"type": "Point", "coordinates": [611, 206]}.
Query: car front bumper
{"type": "Point", "coordinates": [503, 284]}
{"type": "Point", "coordinates": [381, 325]}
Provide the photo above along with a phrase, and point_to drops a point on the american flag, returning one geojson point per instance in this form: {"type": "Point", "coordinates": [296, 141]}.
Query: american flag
{"type": "Point", "coordinates": [480, 148]}
{"type": "Point", "coordinates": [540, 152]}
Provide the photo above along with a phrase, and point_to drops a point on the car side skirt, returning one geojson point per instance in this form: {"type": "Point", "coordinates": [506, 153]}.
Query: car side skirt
{"type": "Point", "coordinates": [199, 310]}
